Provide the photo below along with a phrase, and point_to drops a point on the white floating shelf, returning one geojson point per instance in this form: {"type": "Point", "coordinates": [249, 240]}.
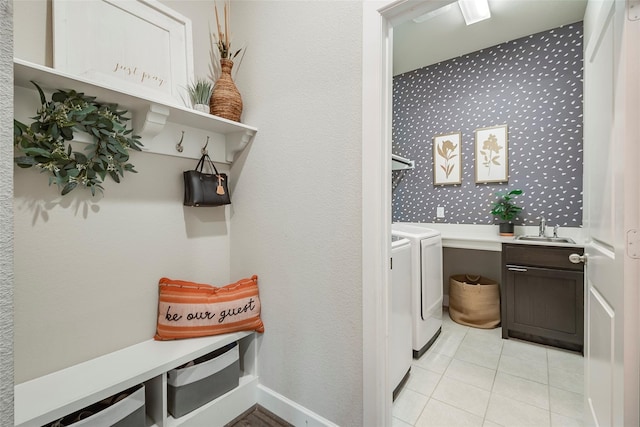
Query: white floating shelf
{"type": "Point", "coordinates": [159, 123]}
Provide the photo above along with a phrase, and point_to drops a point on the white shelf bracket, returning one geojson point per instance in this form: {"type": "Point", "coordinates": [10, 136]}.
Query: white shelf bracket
{"type": "Point", "coordinates": [154, 121]}
{"type": "Point", "coordinates": [399, 163]}
{"type": "Point", "coordinates": [236, 141]}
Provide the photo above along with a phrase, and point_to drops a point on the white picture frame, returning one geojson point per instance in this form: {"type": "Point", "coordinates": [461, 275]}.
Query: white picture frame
{"type": "Point", "coordinates": [492, 154]}
{"type": "Point", "coordinates": [141, 47]}
{"type": "Point", "coordinates": [447, 159]}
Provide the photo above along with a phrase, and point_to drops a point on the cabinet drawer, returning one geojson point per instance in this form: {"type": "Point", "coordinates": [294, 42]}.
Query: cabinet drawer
{"type": "Point", "coordinates": [541, 256]}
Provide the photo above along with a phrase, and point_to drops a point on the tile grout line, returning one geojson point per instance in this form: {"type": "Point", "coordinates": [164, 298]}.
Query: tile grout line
{"type": "Point", "coordinates": [484, 419]}
{"type": "Point", "coordinates": [430, 397]}
{"type": "Point", "coordinates": [438, 383]}
{"type": "Point", "coordinates": [494, 377]}
{"type": "Point", "coordinates": [546, 352]}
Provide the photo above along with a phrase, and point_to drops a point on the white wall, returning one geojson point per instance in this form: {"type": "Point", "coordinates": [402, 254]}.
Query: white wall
{"type": "Point", "coordinates": [6, 212]}
{"type": "Point", "coordinates": [86, 269]}
{"type": "Point", "coordinates": [296, 217]}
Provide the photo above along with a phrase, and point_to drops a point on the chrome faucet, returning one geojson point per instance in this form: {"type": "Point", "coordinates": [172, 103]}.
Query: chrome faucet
{"type": "Point", "coordinates": [542, 227]}
{"type": "Point", "coordinates": [555, 230]}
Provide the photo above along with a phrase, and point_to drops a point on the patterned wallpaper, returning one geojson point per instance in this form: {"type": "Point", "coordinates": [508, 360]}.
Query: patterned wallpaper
{"type": "Point", "coordinates": [534, 86]}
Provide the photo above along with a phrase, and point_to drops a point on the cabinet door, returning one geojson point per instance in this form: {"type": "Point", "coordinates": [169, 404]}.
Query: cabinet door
{"type": "Point", "coordinates": [545, 305]}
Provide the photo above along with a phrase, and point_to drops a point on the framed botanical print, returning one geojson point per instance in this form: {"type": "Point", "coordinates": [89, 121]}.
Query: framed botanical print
{"type": "Point", "coordinates": [447, 159]}
{"type": "Point", "coordinates": [492, 154]}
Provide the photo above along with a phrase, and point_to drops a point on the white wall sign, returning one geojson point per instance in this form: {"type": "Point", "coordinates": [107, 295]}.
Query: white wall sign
{"type": "Point", "coordinates": [138, 46]}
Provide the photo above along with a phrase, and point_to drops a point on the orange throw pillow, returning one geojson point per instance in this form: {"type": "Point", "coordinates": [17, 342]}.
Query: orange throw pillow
{"type": "Point", "coordinates": [188, 310]}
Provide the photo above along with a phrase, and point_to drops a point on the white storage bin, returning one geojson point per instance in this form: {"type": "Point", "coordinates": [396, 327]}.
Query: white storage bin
{"type": "Point", "coordinates": [209, 377]}
{"type": "Point", "coordinates": [127, 412]}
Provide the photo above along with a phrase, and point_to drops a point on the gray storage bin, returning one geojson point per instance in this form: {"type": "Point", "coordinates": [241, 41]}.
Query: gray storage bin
{"type": "Point", "coordinates": [210, 377]}
{"type": "Point", "coordinates": [127, 412]}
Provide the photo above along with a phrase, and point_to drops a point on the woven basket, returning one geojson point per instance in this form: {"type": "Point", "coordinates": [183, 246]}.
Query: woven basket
{"type": "Point", "coordinates": [474, 301]}
{"type": "Point", "coordinates": [226, 101]}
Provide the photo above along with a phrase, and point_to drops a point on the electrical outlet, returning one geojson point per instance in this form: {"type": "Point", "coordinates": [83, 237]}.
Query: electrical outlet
{"type": "Point", "coordinates": [440, 212]}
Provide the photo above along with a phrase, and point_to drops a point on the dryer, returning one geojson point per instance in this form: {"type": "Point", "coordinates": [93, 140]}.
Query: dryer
{"type": "Point", "coordinates": [426, 283]}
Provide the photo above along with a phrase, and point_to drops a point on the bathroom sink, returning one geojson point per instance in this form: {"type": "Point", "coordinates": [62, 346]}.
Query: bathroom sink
{"type": "Point", "coordinates": [546, 239]}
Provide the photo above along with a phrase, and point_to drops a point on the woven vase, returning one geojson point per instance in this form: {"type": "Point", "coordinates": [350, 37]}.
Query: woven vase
{"type": "Point", "coordinates": [226, 100]}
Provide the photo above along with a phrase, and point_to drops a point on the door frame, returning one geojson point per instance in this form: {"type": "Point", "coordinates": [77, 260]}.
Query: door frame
{"type": "Point", "coordinates": [631, 214]}
{"type": "Point", "coordinates": [6, 207]}
{"type": "Point", "coordinates": [632, 224]}
{"type": "Point", "coordinates": [378, 19]}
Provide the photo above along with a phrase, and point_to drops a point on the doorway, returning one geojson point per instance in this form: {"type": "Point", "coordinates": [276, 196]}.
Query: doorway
{"type": "Point", "coordinates": [379, 18]}
{"type": "Point", "coordinates": [378, 21]}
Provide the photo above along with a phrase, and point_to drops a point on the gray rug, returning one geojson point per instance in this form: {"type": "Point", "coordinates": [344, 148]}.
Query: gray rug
{"type": "Point", "coordinates": [257, 416]}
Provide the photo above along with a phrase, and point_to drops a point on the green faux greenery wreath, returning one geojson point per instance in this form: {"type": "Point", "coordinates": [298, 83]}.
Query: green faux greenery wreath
{"type": "Point", "coordinates": [44, 143]}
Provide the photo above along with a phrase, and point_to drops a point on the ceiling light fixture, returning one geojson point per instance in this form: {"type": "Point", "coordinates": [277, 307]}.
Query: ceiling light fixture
{"type": "Point", "coordinates": [474, 10]}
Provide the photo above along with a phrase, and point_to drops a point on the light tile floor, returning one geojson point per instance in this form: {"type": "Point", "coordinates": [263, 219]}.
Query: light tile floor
{"type": "Point", "coordinates": [472, 377]}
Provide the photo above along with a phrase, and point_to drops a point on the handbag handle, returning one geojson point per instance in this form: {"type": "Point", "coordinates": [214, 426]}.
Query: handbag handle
{"type": "Point", "coordinates": [220, 189]}
{"type": "Point", "coordinates": [201, 162]}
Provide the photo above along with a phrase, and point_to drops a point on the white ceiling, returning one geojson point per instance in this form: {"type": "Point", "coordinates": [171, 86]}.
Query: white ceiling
{"type": "Point", "coordinates": [446, 36]}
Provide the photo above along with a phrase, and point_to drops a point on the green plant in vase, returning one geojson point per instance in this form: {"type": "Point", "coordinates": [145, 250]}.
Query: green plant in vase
{"type": "Point", "coordinates": [506, 210]}
{"type": "Point", "coordinates": [200, 94]}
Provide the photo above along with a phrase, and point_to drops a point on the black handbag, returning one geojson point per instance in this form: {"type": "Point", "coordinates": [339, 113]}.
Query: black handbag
{"type": "Point", "coordinates": [205, 189]}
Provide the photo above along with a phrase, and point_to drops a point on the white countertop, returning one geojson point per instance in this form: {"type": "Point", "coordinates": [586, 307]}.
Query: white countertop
{"type": "Point", "coordinates": [486, 237]}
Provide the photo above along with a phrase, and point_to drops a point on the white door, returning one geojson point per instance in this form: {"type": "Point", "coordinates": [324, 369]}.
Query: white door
{"type": "Point", "coordinates": [611, 187]}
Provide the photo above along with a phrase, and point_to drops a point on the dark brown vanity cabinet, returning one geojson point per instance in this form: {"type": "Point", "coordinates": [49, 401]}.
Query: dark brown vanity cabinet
{"type": "Point", "coordinates": [542, 295]}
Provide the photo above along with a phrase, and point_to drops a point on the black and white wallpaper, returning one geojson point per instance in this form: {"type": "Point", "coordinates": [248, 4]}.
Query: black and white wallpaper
{"type": "Point", "coordinates": [534, 86]}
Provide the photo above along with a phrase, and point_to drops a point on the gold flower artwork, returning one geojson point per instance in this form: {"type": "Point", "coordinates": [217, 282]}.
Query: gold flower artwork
{"type": "Point", "coordinates": [447, 159]}
{"type": "Point", "coordinates": [492, 154]}
{"type": "Point", "coordinates": [447, 152]}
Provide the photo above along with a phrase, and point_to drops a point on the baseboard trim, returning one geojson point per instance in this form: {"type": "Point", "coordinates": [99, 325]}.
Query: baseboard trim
{"type": "Point", "coordinates": [289, 410]}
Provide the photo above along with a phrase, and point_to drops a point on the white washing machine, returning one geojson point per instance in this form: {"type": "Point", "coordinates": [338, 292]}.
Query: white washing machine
{"type": "Point", "coordinates": [400, 338]}
{"type": "Point", "coordinates": [426, 279]}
